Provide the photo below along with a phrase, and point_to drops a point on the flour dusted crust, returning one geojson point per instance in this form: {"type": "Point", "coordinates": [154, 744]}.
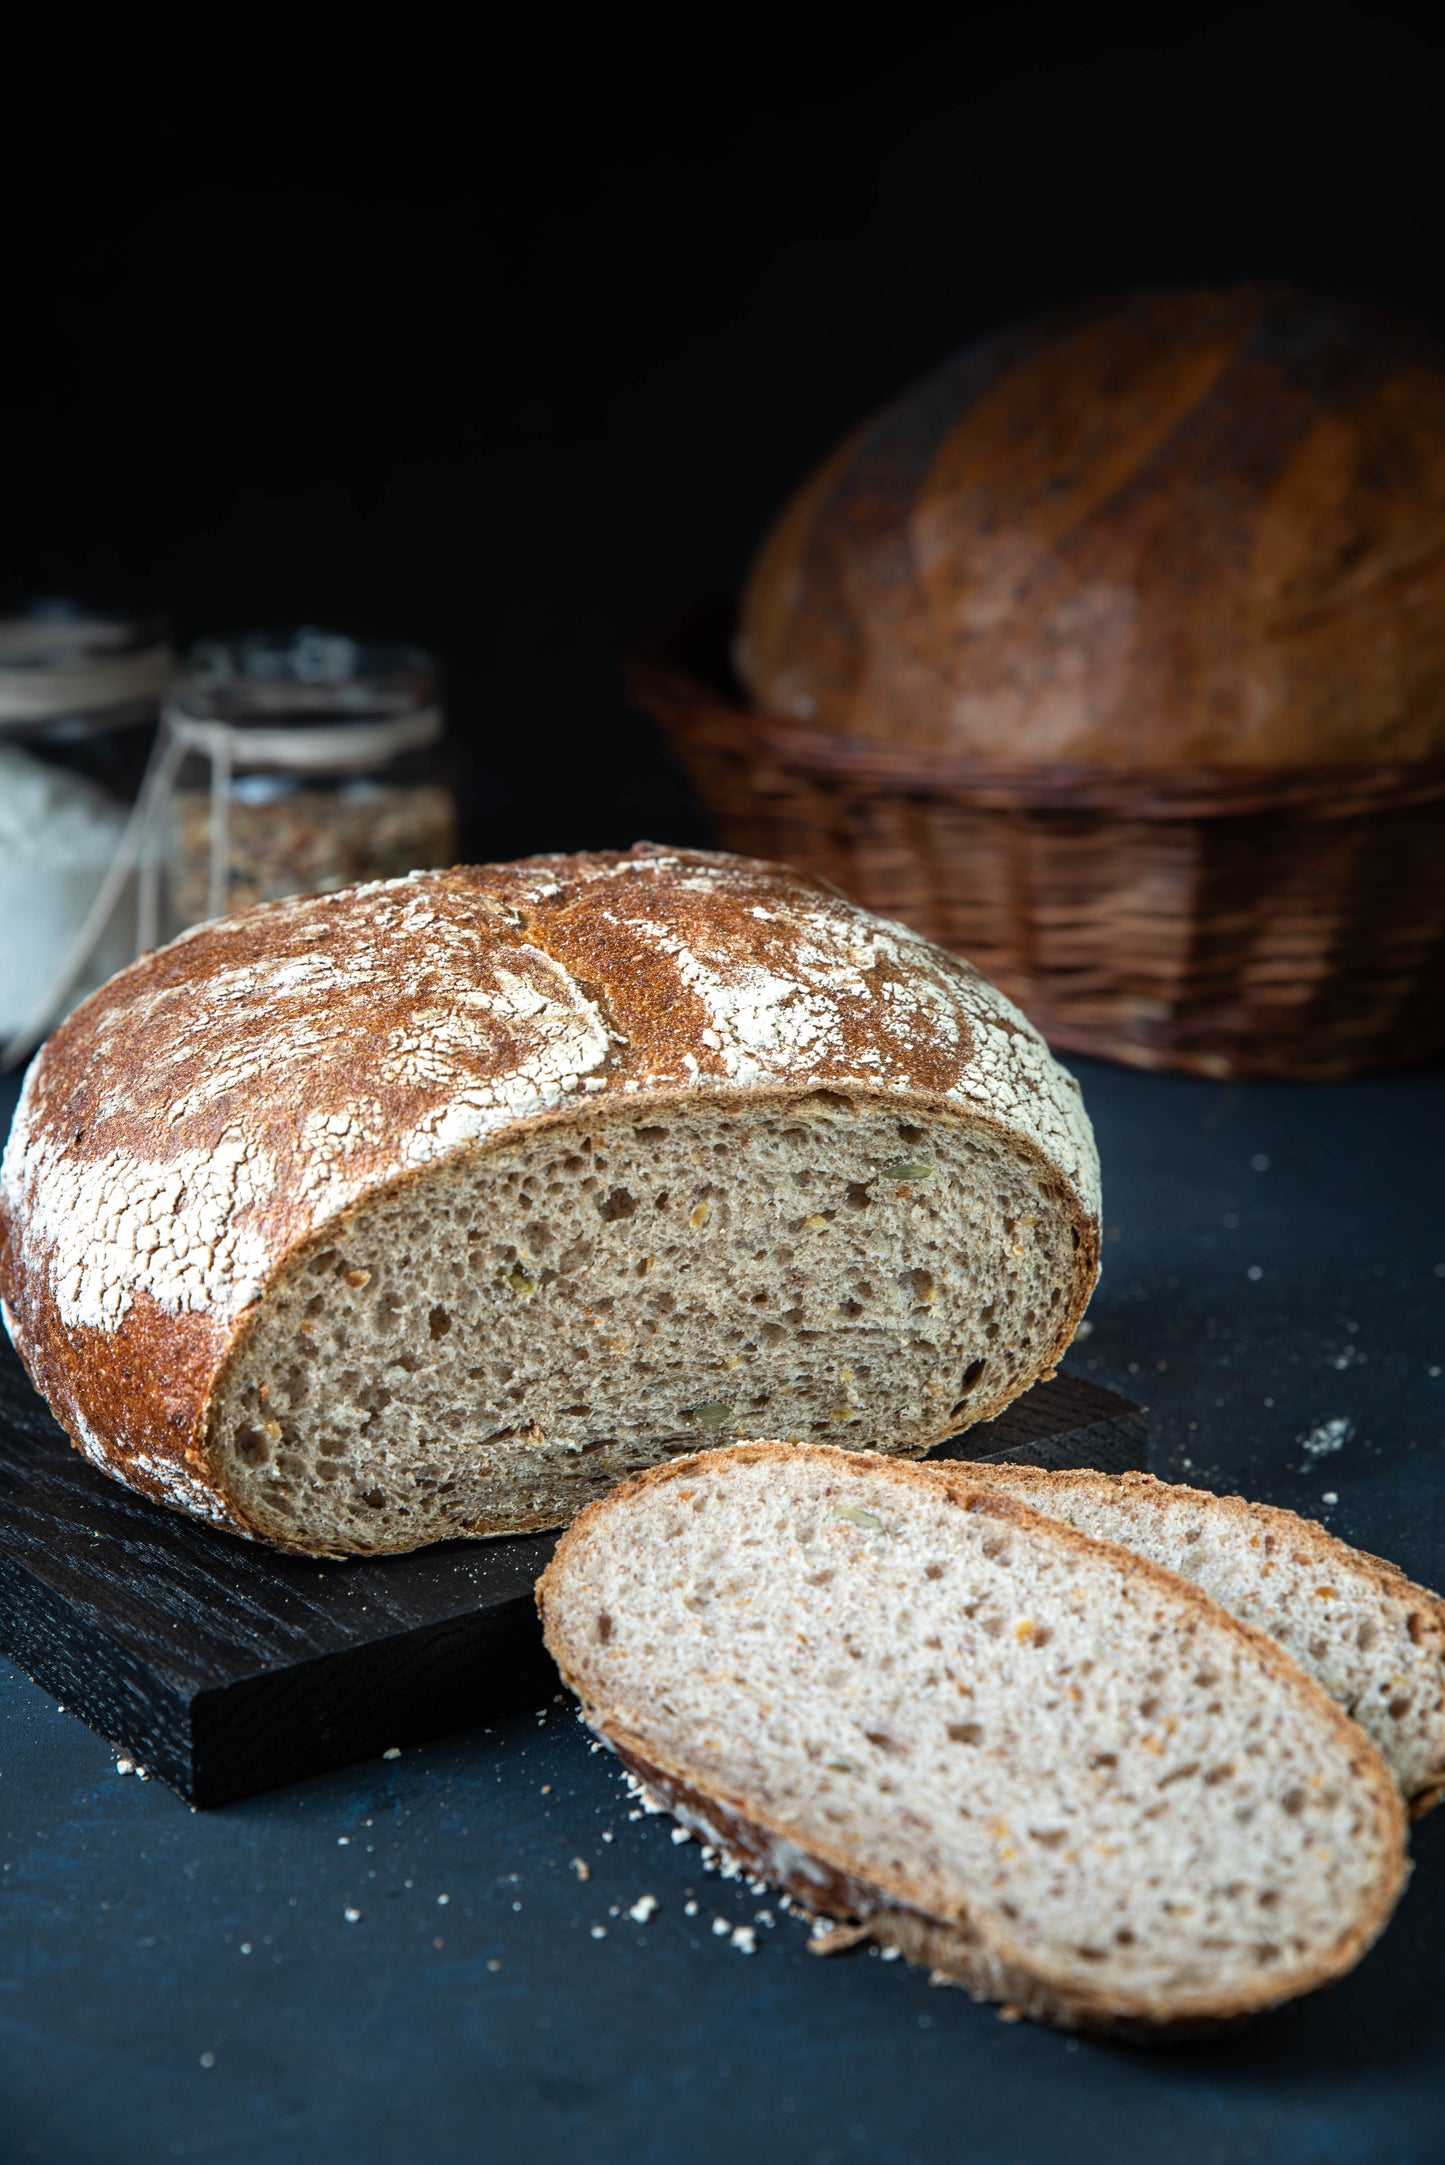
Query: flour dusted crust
{"type": "Point", "coordinates": [210, 1112]}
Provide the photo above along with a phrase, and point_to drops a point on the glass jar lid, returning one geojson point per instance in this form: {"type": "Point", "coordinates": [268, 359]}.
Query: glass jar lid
{"type": "Point", "coordinates": [305, 699]}
{"type": "Point", "coordinates": [66, 667]}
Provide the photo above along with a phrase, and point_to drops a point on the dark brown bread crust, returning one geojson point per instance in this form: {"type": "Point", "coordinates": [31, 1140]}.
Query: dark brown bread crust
{"type": "Point", "coordinates": [1173, 530]}
{"type": "Point", "coordinates": [224, 1104]}
{"type": "Point", "coordinates": [966, 1950]}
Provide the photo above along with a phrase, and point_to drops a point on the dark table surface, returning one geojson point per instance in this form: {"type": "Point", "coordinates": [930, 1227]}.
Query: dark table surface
{"type": "Point", "coordinates": [404, 1960]}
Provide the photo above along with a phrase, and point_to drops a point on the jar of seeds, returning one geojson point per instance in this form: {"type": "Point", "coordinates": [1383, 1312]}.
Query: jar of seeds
{"type": "Point", "coordinates": [305, 761]}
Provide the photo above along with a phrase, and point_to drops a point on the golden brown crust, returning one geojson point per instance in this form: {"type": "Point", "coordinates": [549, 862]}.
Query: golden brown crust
{"type": "Point", "coordinates": [219, 1108]}
{"type": "Point", "coordinates": [1173, 530]}
{"type": "Point", "coordinates": [973, 1950]}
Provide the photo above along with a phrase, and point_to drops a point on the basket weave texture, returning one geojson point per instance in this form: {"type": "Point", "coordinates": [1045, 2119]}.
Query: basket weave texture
{"type": "Point", "coordinates": [1222, 921]}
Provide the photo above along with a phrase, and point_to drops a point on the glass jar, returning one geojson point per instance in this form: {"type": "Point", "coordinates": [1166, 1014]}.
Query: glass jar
{"type": "Point", "coordinates": [305, 762]}
{"type": "Point", "coordinates": [80, 695]}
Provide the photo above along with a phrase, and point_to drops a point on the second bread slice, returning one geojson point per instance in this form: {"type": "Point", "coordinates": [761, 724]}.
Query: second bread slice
{"type": "Point", "coordinates": [1035, 1761]}
{"type": "Point", "coordinates": [1373, 1638]}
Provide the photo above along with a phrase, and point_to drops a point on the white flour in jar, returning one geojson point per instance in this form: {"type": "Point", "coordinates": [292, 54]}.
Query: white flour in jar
{"type": "Point", "coordinates": [58, 833]}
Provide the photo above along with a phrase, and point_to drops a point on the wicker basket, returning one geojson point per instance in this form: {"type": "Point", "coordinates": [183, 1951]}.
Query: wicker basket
{"type": "Point", "coordinates": [1224, 921]}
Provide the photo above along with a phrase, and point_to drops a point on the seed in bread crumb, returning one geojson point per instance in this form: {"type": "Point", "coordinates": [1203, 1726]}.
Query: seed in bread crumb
{"type": "Point", "coordinates": [858, 1517]}
{"type": "Point", "coordinates": [643, 1908]}
{"type": "Point", "coordinates": [712, 1413]}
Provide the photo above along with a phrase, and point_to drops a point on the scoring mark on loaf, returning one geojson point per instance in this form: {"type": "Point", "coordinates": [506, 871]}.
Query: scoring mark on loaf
{"type": "Point", "coordinates": [775, 972]}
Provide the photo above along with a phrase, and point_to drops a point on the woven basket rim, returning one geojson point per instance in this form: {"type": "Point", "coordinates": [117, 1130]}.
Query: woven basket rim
{"type": "Point", "coordinates": [679, 672]}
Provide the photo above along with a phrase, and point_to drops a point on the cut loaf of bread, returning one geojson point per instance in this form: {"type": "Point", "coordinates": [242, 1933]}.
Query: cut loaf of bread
{"type": "Point", "coordinates": [1369, 1635]}
{"type": "Point", "coordinates": [435, 1207]}
{"type": "Point", "coordinates": [1032, 1760]}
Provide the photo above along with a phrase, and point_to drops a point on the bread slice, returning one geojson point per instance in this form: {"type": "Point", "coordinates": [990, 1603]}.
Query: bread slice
{"type": "Point", "coordinates": [436, 1207]}
{"type": "Point", "coordinates": [1369, 1635]}
{"type": "Point", "coordinates": [1057, 1774]}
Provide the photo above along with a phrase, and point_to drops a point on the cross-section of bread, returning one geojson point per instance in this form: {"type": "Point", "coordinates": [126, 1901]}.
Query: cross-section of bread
{"type": "Point", "coordinates": [1036, 1762]}
{"type": "Point", "coordinates": [435, 1207]}
{"type": "Point", "coordinates": [1373, 1638]}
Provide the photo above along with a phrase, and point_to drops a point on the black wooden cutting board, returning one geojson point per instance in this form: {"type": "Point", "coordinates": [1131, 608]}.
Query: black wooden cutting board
{"type": "Point", "coordinates": [227, 1668]}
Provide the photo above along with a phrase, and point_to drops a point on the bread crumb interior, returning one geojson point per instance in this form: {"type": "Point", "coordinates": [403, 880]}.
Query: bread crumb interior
{"type": "Point", "coordinates": [507, 1335]}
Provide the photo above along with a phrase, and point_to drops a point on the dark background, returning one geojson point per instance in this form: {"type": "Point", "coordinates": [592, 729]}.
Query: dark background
{"type": "Point", "coordinates": [505, 337]}
{"type": "Point", "coordinates": [503, 330]}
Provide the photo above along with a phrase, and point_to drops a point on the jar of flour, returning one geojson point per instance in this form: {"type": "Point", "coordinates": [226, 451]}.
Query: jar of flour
{"type": "Point", "coordinates": [80, 694]}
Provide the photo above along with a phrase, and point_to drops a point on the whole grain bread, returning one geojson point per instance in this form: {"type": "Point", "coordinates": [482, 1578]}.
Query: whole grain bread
{"type": "Point", "coordinates": [1373, 1638]}
{"type": "Point", "coordinates": [1036, 1762]}
{"type": "Point", "coordinates": [434, 1207]}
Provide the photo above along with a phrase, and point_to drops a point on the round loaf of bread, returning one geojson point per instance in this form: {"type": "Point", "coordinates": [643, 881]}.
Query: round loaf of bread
{"type": "Point", "coordinates": [435, 1207]}
{"type": "Point", "coordinates": [1180, 529]}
